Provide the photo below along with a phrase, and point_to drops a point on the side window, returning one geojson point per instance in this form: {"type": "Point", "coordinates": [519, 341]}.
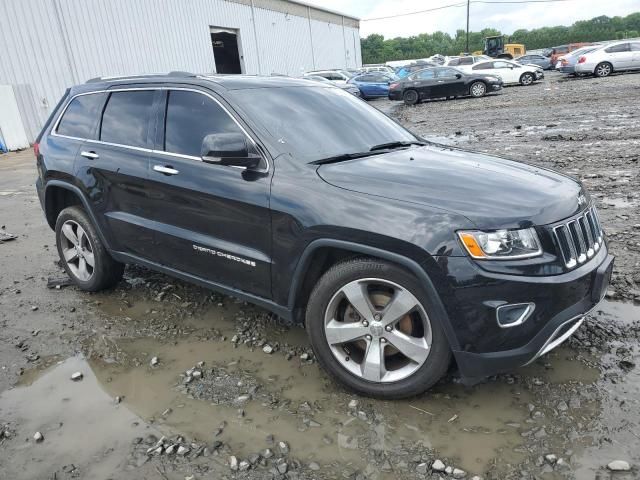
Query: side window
{"type": "Point", "coordinates": [466, 61]}
{"type": "Point", "coordinates": [366, 78]}
{"type": "Point", "coordinates": [446, 72]}
{"type": "Point", "coordinates": [424, 75]}
{"type": "Point", "coordinates": [454, 62]}
{"type": "Point", "coordinates": [635, 47]}
{"type": "Point", "coordinates": [483, 66]}
{"type": "Point", "coordinates": [623, 47]}
{"type": "Point", "coordinates": [501, 65]}
{"type": "Point", "coordinates": [126, 117]}
{"type": "Point", "coordinates": [81, 116]}
{"type": "Point", "coordinates": [190, 117]}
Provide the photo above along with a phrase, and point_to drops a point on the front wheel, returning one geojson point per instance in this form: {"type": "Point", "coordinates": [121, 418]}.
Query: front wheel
{"type": "Point", "coordinates": [370, 327]}
{"type": "Point", "coordinates": [478, 89]}
{"type": "Point", "coordinates": [603, 69]}
{"type": "Point", "coordinates": [410, 97]}
{"type": "Point", "coordinates": [526, 79]}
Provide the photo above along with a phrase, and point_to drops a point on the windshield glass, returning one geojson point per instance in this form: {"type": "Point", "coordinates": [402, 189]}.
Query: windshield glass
{"type": "Point", "coordinates": [313, 123]}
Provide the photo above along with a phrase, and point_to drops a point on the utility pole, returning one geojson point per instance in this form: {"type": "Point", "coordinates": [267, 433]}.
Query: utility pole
{"type": "Point", "coordinates": [468, 5]}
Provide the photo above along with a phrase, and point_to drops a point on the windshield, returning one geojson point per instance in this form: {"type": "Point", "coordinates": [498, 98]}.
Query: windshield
{"type": "Point", "coordinates": [313, 123]}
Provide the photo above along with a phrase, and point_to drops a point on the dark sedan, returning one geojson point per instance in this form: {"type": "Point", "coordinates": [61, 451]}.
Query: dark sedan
{"type": "Point", "coordinates": [442, 82]}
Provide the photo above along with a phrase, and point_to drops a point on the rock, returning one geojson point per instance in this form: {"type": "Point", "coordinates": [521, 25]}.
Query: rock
{"type": "Point", "coordinates": [562, 464]}
{"type": "Point", "coordinates": [438, 466]}
{"type": "Point", "coordinates": [353, 404]}
{"type": "Point", "coordinates": [459, 473]}
{"type": "Point", "coordinates": [154, 361]}
{"type": "Point", "coordinates": [304, 357]}
{"type": "Point", "coordinates": [244, 465]}
{"type": "Point", "coordinates": [268, 349]}
{"type": "Point", "coordinates": [551, 458]}
{"type": "Point", "coordinates": [282, 467]}
{"type": "Point", "coordinates": [619, 466]}
{"type": "Point", "coordinates": [422, 468]}
{"type": "Point", "coordinates": [476, 477]}
{"type": "Point", "coordinates": [170, 450]}
{"type": "Point", "coordinates": [283, 447]}
{"type": "Point", "coordinates": [268, 453]}
{"type": "Point", "coordinates": [314, 466]}
{"type": "Point", "coordinates": [233, 463]}
{"type": "Point", "coordinates": [77, 376]}
{"type": "Point", "coordinates": [38, 437]}
{"type": "Point", "coordinates": [182, 451]}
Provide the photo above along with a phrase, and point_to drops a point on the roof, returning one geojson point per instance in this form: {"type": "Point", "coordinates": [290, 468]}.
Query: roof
{"type": "Point", "coordinates": [317, 7]}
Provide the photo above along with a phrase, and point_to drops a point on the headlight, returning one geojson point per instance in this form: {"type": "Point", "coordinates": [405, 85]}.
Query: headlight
{"type": "Point", "coordinates": [501, 244]}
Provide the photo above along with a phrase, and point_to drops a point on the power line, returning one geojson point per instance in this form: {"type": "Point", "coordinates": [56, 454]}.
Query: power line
{"type": "Point", "coordinates": [463, 4]}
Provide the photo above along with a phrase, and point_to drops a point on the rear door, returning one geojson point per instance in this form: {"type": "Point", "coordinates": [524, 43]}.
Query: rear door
{"type": "Point", "coordinates": [620, 56]}
{"type": "Point", "coordinates": [424, 82]}
{"type": "Point", "coordinates": [212, 221]}
{"type": "Point", "coordinates": [113, 169]}
{"type": "Point", "coordinates": [635, 55]}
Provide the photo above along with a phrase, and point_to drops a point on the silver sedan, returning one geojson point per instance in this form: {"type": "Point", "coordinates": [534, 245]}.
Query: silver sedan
{"type": "Point", "coordinates": [613, 57]}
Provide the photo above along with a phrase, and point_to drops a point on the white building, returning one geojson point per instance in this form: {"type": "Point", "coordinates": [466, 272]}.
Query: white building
{"type": "Point", "coordinates": [49, 45]}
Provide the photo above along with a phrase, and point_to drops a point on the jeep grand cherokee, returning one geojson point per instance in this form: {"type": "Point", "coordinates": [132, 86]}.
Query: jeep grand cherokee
{"type": "Point", "coordinates": [395, 253]}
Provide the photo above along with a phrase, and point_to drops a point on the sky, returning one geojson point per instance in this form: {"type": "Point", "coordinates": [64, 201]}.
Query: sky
{"type": "Point", "coordinates": [505, 18]}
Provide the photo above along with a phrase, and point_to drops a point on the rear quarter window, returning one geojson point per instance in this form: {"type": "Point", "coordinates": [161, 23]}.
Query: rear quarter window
{"type": "Point", "coordinates": [81, 116]}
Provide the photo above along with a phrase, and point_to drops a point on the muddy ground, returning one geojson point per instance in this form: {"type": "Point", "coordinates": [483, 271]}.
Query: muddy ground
{"type": "Point", "coordinates": [216, 405]}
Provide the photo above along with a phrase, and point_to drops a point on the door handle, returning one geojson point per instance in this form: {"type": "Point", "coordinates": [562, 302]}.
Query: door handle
{"type": "Point", "coordinates": [168, 170]}
{"type": "Point", "coordinates": [90, 155]}
{"type": "Point", "coordinates": [440, 81]}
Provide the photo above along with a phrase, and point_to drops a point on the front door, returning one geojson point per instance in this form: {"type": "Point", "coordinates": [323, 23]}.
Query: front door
{"type": "Point", "coordinates": [620, 56]}
{"type": "Point", "coordinates": [447, 79]}
{"type": "Point", "coordinates": [212, 221]}
{"type": "Point", "coordinates": [507, 71]}
{"type": "Point", "coordinates": [226, 52]}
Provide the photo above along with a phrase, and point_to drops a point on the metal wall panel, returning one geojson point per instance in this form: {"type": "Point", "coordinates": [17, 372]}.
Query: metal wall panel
{"type": "Point", "coordinates": [48, 45]}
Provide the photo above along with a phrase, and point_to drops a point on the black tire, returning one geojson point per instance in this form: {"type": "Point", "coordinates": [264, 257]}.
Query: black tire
{"type": "Point", "coordinates": [341, 274]}
{"type": "Point", "coordinates": [410, 97]}
{"type": "Point", "coordinates": [105, 272]}
{"type": "Point", "coordinates": [477, 89]}
{"type": "Point", "coordinates": [603, 69]}
{"type": "Point", "coordinates": [527, 79]}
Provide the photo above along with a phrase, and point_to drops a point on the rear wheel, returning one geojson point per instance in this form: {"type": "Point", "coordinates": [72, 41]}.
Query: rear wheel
{"type": "Point", "coordinates": [478, 89]}
{"type": "Point", "coordinates": [526, 79]}
{"type": "Point", "coordinates": [84, 257]}
{"type": "Point", "coordinates": [369, 325]}
{"type": "Point", "coordinates": [603, 69]}
{"type": "Point", "coordinates": [410, 97]}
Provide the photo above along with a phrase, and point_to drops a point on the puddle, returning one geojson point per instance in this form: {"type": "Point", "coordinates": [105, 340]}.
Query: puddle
{"type": "Point", "coordinates": [617, 202]}
{"type": "Point", "coordinates": [623, 312]}
{"type": "Point", "coordinates": [80, 422]}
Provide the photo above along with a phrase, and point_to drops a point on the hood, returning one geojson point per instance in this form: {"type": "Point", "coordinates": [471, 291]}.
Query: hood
{"type": "Point", "coordinates": [490, 191]}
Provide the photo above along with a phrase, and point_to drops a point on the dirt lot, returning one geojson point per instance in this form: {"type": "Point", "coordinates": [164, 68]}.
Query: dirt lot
{"type": "Point", "coordinates": [214, 404]}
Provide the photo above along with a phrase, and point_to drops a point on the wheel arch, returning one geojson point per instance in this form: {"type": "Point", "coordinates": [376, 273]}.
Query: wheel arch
{"type": "Point", "coordinates": [313, 263]}
{"type": "Point", "coordinates": [59, 195]}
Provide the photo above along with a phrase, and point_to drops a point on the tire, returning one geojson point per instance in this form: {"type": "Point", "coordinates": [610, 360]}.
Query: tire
{"type": "Point", "coordinates": [352, 362]}
{"type": "Point", "coordinates": [526, 79]}
{"type": "Point", "coordinates": [603, 69]}
{"type": "Point", "coordinates": [77, 237]}
{"type": "Point", "coordinates": [478, 89]}
{"type": "Point", "coordinates": [410, 97]}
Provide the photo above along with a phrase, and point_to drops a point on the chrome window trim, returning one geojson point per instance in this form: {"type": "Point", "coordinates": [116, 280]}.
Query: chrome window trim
{"type": "Point", "coordinates": [150, 150]}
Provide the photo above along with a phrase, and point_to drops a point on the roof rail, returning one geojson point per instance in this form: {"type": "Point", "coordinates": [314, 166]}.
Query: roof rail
{"type": "Point", "coordinates": [140, 75]}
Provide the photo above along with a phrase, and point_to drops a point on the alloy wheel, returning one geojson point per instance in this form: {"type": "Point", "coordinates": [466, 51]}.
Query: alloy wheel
{"type": "Point", "coordinates": [77, 250]}
{"type": "Point", "coordinates": [377, 330]}
{"type": "Point", "coordinates": [603, 70]}
{"type": "Point", "coordinates": [527, 79]}
{"type": "Point", "coordinates": [478, 89]}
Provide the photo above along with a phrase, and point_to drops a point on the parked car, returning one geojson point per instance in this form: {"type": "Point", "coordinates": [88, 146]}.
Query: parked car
{"type": "Point", "coordinates": [348, 87]}
{"type": "Point", "coordinates": [510, 72]}
{"type": "Point", "coordinates": [335, 76]}
{"type": "Point", "coordinates": [614, 57]}
{"type": "Point", "coordinates": [395, 253]}
{"type": "Point", "coordinates": [378, 68]}
{"type": "Point", "coordinates": [373, 84]}
{"type": "Point", "coordinates": [464, 63]}
{"type": "Point", "coordinates": [407, 70]}
{"type": "Point", "coordinates": [442, 82]}
{"type": "Point", "coordinates": [567, 63]}
{"type": "Point", "coordinates": [561, 50]}
{"type": "Point", "coordinates": [534, 59]}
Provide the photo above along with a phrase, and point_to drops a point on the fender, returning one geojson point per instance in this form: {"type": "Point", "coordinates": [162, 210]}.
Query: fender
{"type": "Point", "coordinates": [440, 313]}
{"type": "Point", "coordinates": [85, 204]}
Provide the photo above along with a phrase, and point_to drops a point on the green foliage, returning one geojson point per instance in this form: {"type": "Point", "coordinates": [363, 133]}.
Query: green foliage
{"type": "Point", "coordinates": [375, 49]}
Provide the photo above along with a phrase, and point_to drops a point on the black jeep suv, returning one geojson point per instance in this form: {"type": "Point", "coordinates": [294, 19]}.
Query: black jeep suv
{"type": "Point", "coordinates": [395, 253]}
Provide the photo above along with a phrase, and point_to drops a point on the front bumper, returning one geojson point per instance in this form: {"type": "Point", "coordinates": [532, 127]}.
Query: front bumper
{"type": "Point", "coordinates": [395, 95]}
{"type": "Point", "coordinates": [539, 74]}
{"type": "Point", "coordinates": [561, 302]}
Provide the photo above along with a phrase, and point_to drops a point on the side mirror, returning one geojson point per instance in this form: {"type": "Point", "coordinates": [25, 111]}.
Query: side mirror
{"type": "Point", "coordinates": [458, 76]}
{"type": "Point", "coordinates": [228, 149]}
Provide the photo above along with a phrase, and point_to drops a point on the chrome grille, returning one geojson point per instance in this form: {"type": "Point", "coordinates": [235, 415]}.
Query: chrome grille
{"type": "Point", "coordinates": [579, 238]}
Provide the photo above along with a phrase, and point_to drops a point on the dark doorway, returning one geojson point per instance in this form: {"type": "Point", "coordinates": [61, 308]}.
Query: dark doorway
{"type": "Point", "coordinates": [225, 51]}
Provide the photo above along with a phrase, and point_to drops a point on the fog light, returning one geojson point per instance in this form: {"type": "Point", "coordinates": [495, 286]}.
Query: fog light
{"type": "Point", "coordinates": [514, 314]}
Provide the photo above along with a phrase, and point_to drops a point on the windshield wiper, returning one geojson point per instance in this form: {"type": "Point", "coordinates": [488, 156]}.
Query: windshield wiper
{"type": "Point", "coordinates": [342, 157]}
{"type": "Point", "coordinates": [392, 145]}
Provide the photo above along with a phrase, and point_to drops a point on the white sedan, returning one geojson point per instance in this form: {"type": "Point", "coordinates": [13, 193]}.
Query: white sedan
{"type": "Point", "coordinates": [510, 72]}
